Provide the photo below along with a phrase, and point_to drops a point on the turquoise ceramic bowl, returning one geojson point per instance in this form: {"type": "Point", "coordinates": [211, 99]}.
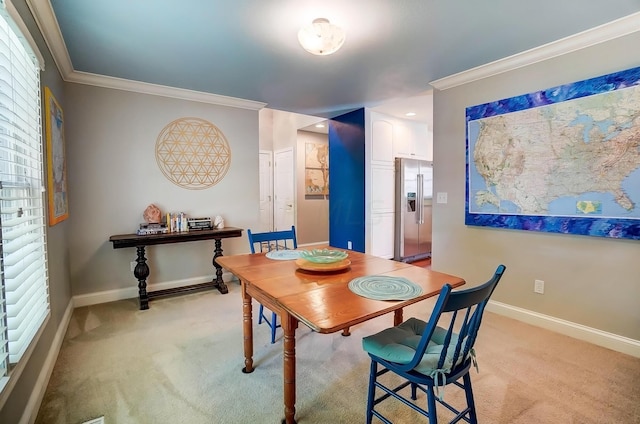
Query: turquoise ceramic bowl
{"type": "Point", "coordinates": [323, 256]}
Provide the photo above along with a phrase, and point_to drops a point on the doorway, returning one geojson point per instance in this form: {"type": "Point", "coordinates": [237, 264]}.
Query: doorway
{"type": "Point", "coordinates": [266, 191]}
{"type": "Point", "coordinates": [284, 189]}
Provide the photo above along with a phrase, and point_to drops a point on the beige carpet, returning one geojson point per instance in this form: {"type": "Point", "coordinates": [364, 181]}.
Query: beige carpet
{"type": "Point", "coordinates": [180, 362]}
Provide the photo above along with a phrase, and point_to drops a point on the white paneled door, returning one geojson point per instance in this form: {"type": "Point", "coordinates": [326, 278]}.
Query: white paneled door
{"type": "Point", "coordinates": [266, 191]}
{"type": "Point", "coordinates": [284, 189]}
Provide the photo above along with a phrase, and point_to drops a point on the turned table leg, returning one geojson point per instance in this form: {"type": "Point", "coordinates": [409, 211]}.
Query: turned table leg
{"type": "Point", "coordinates": [219, 283]}
{"type": "Point", "coordinates": [141, 272]}
{"type": "Point", "coordinates": [289, 325]}
{"type": "Point", "coordinates": [247, 330]}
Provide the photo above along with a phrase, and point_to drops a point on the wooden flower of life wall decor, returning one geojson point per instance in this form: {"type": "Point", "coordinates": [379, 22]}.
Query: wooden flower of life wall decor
{"type": "Point", "coordinates": [193, 153]}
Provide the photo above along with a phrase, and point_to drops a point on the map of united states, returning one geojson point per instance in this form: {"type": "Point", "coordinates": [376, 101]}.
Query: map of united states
{"type": "Point", "coordinates": [574, 158]}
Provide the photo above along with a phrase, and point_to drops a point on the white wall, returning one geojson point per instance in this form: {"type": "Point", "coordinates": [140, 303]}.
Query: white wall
{"type": "Point", "coordinates": [113, 176]}
{"type": "Point", "coordinates": [265, 126]}
{"type": "Point", "coordinates": [590, 281]}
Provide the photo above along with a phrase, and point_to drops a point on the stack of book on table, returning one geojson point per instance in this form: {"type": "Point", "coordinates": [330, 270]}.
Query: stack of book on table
{"type": "Point", "coordinates": [194, 224]}
{"type": "Point", "coordinates": [152, 228]}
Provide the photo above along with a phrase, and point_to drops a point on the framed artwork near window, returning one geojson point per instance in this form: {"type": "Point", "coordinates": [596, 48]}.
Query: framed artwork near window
{"type": "Point", "coordinates": [56, 160]}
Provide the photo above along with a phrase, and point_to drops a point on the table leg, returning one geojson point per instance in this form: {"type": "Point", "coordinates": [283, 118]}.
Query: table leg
{"type": "Point", "coordinates": [289, 325]}
{"type": "Point", "coordinates": [397, 317]}
{"type": "Point", "coordinates": [222, 287]}
{"type": "Point", "coordinates": [247, 330]}
{"type": "Point", "coordinates": [141, 272]}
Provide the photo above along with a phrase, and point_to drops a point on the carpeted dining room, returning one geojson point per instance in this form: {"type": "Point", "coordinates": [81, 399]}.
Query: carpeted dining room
{"type": "Point", "coordinates": [181, 360]}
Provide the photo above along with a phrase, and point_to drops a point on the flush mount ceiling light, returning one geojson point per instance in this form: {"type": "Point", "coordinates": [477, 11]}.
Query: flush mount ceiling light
{"type": "Point", "coordinates": [321, 37]}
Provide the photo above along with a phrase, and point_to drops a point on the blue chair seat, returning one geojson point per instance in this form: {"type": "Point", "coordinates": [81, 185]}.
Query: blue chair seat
{"type": "Point", "coordinates": [399, 345]}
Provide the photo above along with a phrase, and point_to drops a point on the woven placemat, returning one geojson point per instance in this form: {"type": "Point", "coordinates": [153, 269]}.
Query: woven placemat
{"type": "Point", "coordinates": [384, 287]}
{"type": "Point", "coordinates": [283, 255]}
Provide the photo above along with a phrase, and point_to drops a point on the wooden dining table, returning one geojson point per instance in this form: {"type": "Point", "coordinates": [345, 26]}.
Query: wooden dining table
{"type": "Point", "coordinates": [320, 300]}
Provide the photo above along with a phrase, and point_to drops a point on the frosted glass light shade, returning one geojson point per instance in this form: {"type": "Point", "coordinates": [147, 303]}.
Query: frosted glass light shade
{"type": "Point", "coordinates": [321, 37]}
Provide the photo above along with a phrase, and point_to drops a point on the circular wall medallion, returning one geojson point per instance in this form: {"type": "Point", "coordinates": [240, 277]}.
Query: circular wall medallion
{"type": "Point", "coordinates": [193, 153]}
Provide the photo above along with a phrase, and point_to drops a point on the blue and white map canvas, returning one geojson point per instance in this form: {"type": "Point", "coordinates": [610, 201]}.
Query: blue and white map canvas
{"type": "Point", "coordinates": [562, 160]}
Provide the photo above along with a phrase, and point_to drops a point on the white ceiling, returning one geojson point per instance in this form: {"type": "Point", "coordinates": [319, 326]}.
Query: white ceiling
{"type": "Point", "coordinates": [248, 49]}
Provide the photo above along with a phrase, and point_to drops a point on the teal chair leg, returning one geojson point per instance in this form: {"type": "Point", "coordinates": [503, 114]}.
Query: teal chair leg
{"type": "Point", "coordinates": [431, 406]}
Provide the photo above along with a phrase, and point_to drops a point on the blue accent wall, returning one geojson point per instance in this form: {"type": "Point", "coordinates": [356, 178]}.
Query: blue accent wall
{"type": "Point", "coordinates": [346, 180]}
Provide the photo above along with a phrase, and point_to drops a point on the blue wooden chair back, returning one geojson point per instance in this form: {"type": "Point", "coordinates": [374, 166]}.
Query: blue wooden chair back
{"type": "Point", "coordinates": [268, 241]}
{"type": "Point", "coordinates": [274, 240]}
{"type": "Point", "coordinates": [430, 355]}
{"type": "Point", "coordinates": [466, 308]}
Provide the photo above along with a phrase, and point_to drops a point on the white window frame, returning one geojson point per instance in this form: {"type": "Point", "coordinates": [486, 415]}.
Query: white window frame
{"type": "Point", "coordinates": [22, 221]}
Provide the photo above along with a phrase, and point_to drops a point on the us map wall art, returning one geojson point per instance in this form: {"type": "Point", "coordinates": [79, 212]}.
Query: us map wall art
{"type": "Point", "coordinates": [562, 160]}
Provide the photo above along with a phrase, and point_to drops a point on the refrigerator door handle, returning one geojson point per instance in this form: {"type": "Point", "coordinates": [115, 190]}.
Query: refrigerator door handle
{"type": "Point", "coordinates": [420, 199]}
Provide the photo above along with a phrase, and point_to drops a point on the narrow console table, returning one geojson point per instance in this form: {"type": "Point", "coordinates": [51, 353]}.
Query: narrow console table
{"type": "Point", "coordinates": [141, 271]}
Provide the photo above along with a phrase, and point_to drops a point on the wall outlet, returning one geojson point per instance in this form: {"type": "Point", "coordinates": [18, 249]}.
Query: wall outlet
{"type": "Point", "coordinates": [441, 197]}
{"type": "Point", "coordinates": [133, 266]}
{"type": "Point", "coordinates": [538, 286]}
{"type": "Point", "coordinates": [349, 245]}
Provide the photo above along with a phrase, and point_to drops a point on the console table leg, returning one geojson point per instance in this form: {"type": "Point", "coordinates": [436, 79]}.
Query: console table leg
{"type": "Point", "coordinates": [141, 273]}
{"type": "Point", "coordinates": [219, 283]}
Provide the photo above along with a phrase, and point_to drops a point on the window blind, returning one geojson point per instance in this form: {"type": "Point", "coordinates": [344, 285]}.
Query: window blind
{"type": "Point", "coordinates": [24, 296]}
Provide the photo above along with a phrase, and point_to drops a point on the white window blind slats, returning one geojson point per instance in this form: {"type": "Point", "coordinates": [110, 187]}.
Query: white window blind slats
{"type": "Point", "coordinates": [23, 173]}
{"type": "Point", "coordinates": [16, 262]}
{"type": "Point", "coordinates": [23, 273]}
{"type": "Point", "coordinates": [16, 322]}
{"type": "Point", "coordinates": [29, 325]}
{"type": "Point", "coordinates": [20, 130]}
{"type": "Point", "coordinates": [24, 298]}
{"type": "Point", "coordinates": [17, 285]}
{"type": "Point", "coordinates": [19, 198]}
{"type": "Point", "coordinates": [20, 235]}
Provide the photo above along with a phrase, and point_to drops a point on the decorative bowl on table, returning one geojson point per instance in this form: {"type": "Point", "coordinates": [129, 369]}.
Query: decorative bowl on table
{"type": "Point", "coordinates": [323, 256]}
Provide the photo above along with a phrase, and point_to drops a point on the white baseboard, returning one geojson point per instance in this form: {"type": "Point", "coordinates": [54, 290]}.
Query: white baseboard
{"type": "Point", "coordinates": [130, 292]}
{"type": "Point", "coordinates": [568, 328]}
{"type": "Point", "coordinates": [319, 243]}
{"type": "Point", "coordinates": [35, 400]}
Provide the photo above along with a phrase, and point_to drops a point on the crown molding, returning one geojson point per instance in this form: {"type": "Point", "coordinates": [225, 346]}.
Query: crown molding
{"type": "Point", "coordinates": [600, 34]}
{"type": "Point", "coordinates": [48, 24]}
{"type": "Point", "coordinates": [161, 90]}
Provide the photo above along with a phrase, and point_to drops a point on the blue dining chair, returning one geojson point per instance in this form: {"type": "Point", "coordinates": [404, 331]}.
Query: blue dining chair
{"type": "Point", "coordinates": [431, 355]}
{"type": "Point", "coordinates": [267, 241]}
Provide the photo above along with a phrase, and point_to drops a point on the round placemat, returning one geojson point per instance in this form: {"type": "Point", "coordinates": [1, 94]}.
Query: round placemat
{"type": "Point", "coordinates": [283, 255]}
{"type": "Point", "coordinates": [384, 287]}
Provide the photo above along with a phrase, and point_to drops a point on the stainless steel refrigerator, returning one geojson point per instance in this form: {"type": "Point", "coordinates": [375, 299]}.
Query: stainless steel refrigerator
{"type": "Point", "coordinates": [414, 197]}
